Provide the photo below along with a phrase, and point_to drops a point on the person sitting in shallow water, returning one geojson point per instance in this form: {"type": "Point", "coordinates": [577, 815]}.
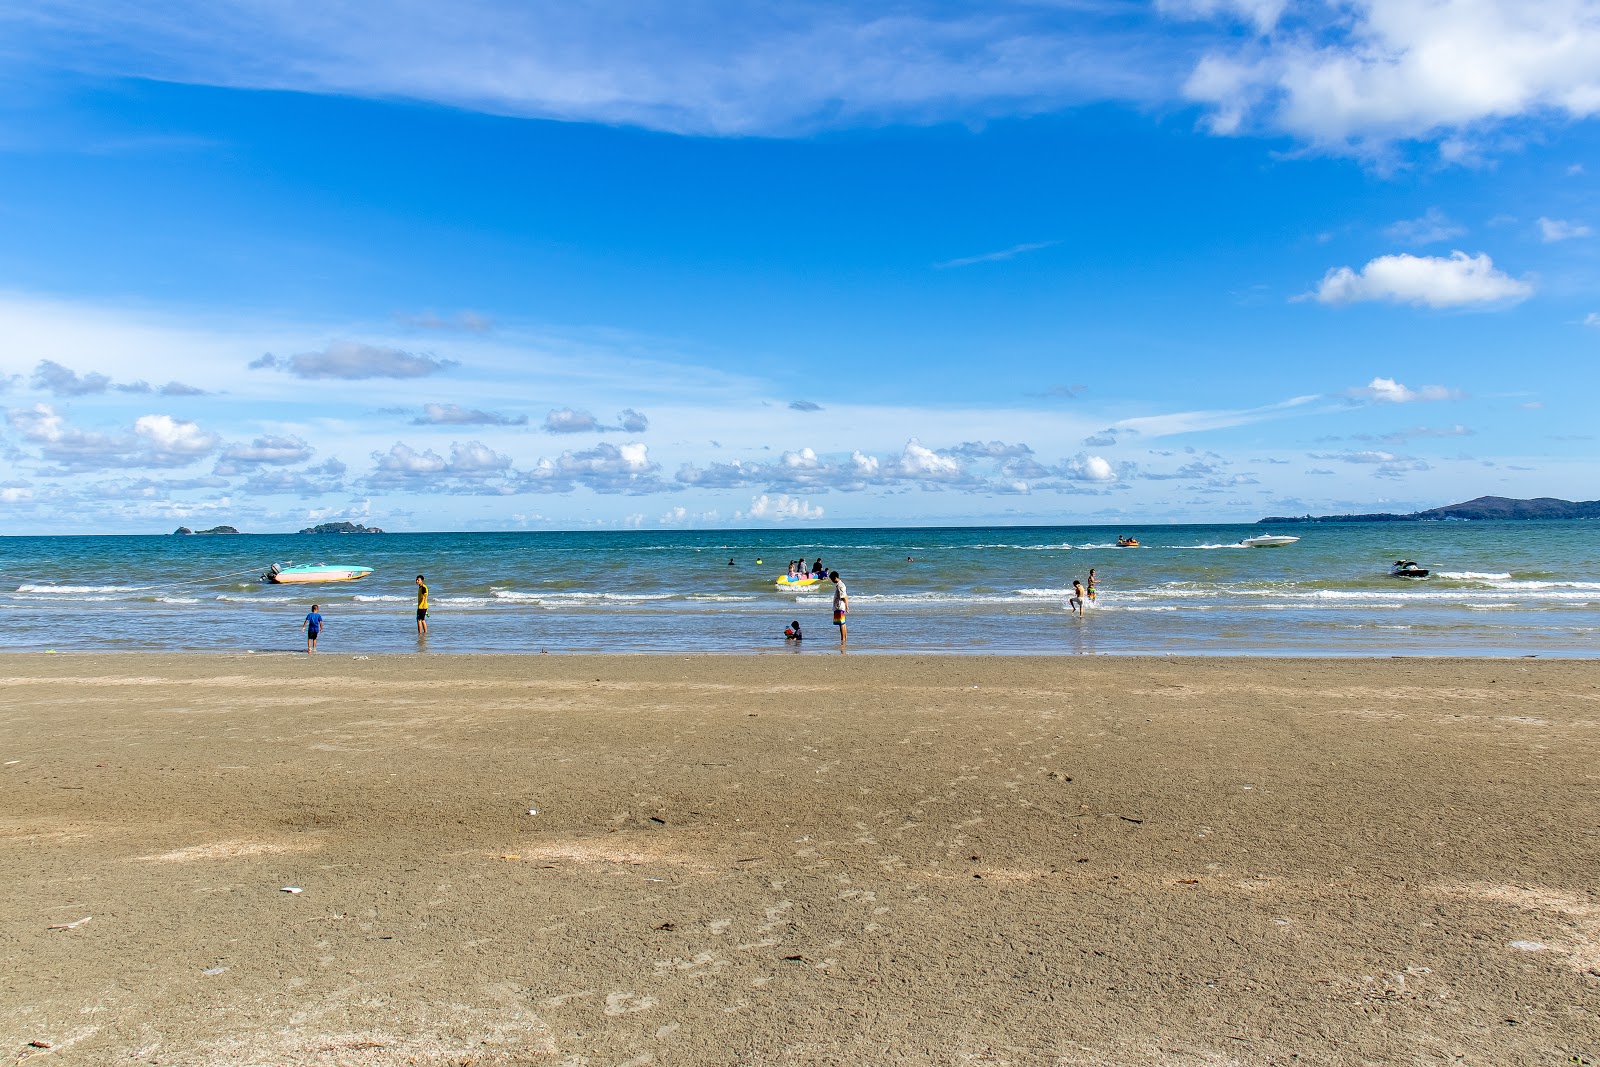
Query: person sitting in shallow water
{"type": "Point", "coordinates": [792, 631]}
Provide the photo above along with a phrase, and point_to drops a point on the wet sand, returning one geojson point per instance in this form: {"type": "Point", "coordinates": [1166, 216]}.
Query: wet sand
{"type": "Point", "coordinates": [798, 860]}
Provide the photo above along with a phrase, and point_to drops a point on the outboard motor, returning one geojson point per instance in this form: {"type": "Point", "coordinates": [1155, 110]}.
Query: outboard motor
{"type": "Point", "coordinates": [272, 573]}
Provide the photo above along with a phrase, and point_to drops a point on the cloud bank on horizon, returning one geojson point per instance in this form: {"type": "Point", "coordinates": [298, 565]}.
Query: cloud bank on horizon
{"type": "Point", "coordinates": [775, 264]}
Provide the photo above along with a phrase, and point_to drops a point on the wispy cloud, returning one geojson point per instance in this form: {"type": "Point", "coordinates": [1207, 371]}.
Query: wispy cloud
{"type": "Point", "coordinates": [1553, 230]}
{"type": "Point", "coordinates": [719, 67]}
{"type": "Point", "coordinates": [1153, 426]}
{"type": "Point", "coordinates": [1432, 227]}
{"type": "Point", "coordinates": [995, 257]}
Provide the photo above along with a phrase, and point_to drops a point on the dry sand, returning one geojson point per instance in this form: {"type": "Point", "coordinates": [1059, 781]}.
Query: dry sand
{"type": "Point", "coordinates": [775, 860]}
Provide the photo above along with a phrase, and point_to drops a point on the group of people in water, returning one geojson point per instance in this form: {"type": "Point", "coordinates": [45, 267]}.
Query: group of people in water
{"type": "Point", "coordinates": [798, 570]}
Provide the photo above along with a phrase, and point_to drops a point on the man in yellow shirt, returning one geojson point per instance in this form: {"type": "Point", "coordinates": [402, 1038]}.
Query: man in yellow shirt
{"type": "Point", "coordinates": [422, 606]}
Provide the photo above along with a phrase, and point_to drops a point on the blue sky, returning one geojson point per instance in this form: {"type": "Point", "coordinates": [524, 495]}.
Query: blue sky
{"type": "Point", "coordinates": [507, 265]}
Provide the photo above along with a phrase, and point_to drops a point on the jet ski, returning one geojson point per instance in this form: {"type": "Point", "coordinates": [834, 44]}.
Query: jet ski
{"type": "Point", "coordinates": [1405, 568]}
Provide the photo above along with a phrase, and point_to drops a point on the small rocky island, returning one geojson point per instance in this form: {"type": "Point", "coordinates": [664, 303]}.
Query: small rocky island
{"type": "Point", "coordinates": [184, 531]}
{"type": "Point", "coordinates": [1481, 508]}
{"type": "Point", "coordinates": [341, 528]}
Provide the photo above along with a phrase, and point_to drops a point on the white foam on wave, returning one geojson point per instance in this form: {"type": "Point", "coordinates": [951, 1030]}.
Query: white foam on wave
{"type": "Point", "coordinates": [718, 598]}
{"type": "Point", "coordinates": [70, 590]}
{"type": "Point", "coordinates": [576, 598]}
{"type": "Point", "coordinates": [178, 599]}
{"type": "Point", "coordinates": [1473, 576]}
{"type": "Point", "coordinates": [365, 598]}
{"type": "Point", "coordinates": [1210, 547]}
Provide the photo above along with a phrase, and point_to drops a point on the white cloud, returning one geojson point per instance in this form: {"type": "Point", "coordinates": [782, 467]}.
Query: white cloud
{"type": "Point", "coordinates": [569, 420]}
{"type": "Point", "coordinates": [171, 439]}
{"type": "Point", "coordinates": [1552, 230]}
{"type": "Point", "coordinates": [920, 462]}
{"type": "Point", "coordinates": [1430, 281]}
{"type": "Point", "coordinates": [779, 508]}
{"type": "Point", "coordinates": [1389, 391]}
{"type": "Point", "coordinates": [456, 415]}
{"type": "Point", "coordinates": [471, 468]}
{"type": "Point", "coordinates": [1087, 468]}
{"type": "Point", "coordinates": [1592, 319]}
{"type": "Point", "coordinates": [1367, 72]}
{"type": "Point", "coordinates": [63, 381]}
{"type": "Point", "coordinates": [348, 361]}
{"type": "Point", "coordinates": [155, 441]}
{"type": "Point", "coordinates": [272, 450]}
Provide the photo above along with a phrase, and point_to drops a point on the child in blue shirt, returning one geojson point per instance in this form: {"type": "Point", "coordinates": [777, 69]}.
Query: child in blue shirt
{"type": "Point", "coordinates": [312, 626]}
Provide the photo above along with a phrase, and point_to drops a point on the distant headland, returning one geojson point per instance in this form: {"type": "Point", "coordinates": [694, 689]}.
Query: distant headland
{"type": "Point", "coordinates": [321, 528]}
{"type": "Point", "coordinates": [341, 528]}
{"type": "Point", "coordinates": [1482, 508]}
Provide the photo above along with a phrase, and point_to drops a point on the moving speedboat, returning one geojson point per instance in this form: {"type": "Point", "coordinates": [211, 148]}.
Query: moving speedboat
{"type": "Point", "coordinates": [314, 572]}
{"type": "Point", "coordinates": [1268, 541]}
{"type": "Point", "coordinates": [1405, 568]}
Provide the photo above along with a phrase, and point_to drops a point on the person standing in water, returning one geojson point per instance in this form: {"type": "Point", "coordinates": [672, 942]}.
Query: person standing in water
{"type": "Point", "coordinates": [1076, 603]}
{"type": "Point", "coordinates": [1091, 585]}
{"type": "Point", "coordinates": [841, 606]}
{"type": "Point", "coordinates": [422, 606]}
{"type": "Point", "coordinates": [312, 626]}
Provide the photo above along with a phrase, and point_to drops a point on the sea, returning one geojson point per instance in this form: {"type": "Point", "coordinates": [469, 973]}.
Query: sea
{"type": "Point", "coordinates": [1495, 589]}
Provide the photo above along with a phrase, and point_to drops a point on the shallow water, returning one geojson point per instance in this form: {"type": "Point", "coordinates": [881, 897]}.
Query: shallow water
{"type": "Point", "coordinates": [1498, 588]}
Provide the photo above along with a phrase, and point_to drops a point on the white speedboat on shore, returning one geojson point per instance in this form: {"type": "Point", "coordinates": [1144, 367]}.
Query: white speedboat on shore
{"type": "Point", "coordinates": [314, 572]}
{"type": "Point", "coordinates": [1268, 541]}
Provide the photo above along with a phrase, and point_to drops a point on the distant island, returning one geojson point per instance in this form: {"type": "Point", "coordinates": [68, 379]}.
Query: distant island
{"type": "Point", "coordinates": [184, 531]}
{"type": "Point", "coordinates": [341, 528]}
{"type": "Point", "coordinates": [1484, 507]}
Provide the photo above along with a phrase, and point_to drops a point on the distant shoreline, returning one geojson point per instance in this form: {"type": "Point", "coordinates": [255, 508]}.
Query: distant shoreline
{"type": "Point", "coordinates": [1481, 509]}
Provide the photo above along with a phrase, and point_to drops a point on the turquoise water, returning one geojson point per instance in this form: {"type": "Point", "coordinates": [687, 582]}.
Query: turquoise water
{"type": "Point", "coordinates": [1497, 589]}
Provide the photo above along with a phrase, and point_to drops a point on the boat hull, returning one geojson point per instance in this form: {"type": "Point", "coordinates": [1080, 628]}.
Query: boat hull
{"type": "Point", "coordinates": [1268, 541]}
{"type": "Point", "coordinates": [317, 574]}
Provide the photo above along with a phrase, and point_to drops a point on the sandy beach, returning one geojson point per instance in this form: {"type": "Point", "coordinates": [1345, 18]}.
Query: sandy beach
{"type": "Point", "coordinates": [798, 860]}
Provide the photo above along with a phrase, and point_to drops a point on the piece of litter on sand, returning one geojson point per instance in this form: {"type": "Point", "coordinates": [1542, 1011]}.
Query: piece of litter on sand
{"type": "Point", "coordinates": [73, 925]}
{"type": "Point", "coordinates": [213, 971]}
{"type": "Point", "coordinates": [291, 889]}
{"type": "Point", "coordinates": [533, 811]}
{"type": "Point", "coordinates": [360, 657]}
{"type": "Point", "coordinates": [40, 1044]}
{"type": "Point", "coordinates": [1528, 946]}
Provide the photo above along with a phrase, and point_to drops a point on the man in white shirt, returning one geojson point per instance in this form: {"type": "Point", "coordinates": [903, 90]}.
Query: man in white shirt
{"type": "Point", "coordinates": [841, 604]}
